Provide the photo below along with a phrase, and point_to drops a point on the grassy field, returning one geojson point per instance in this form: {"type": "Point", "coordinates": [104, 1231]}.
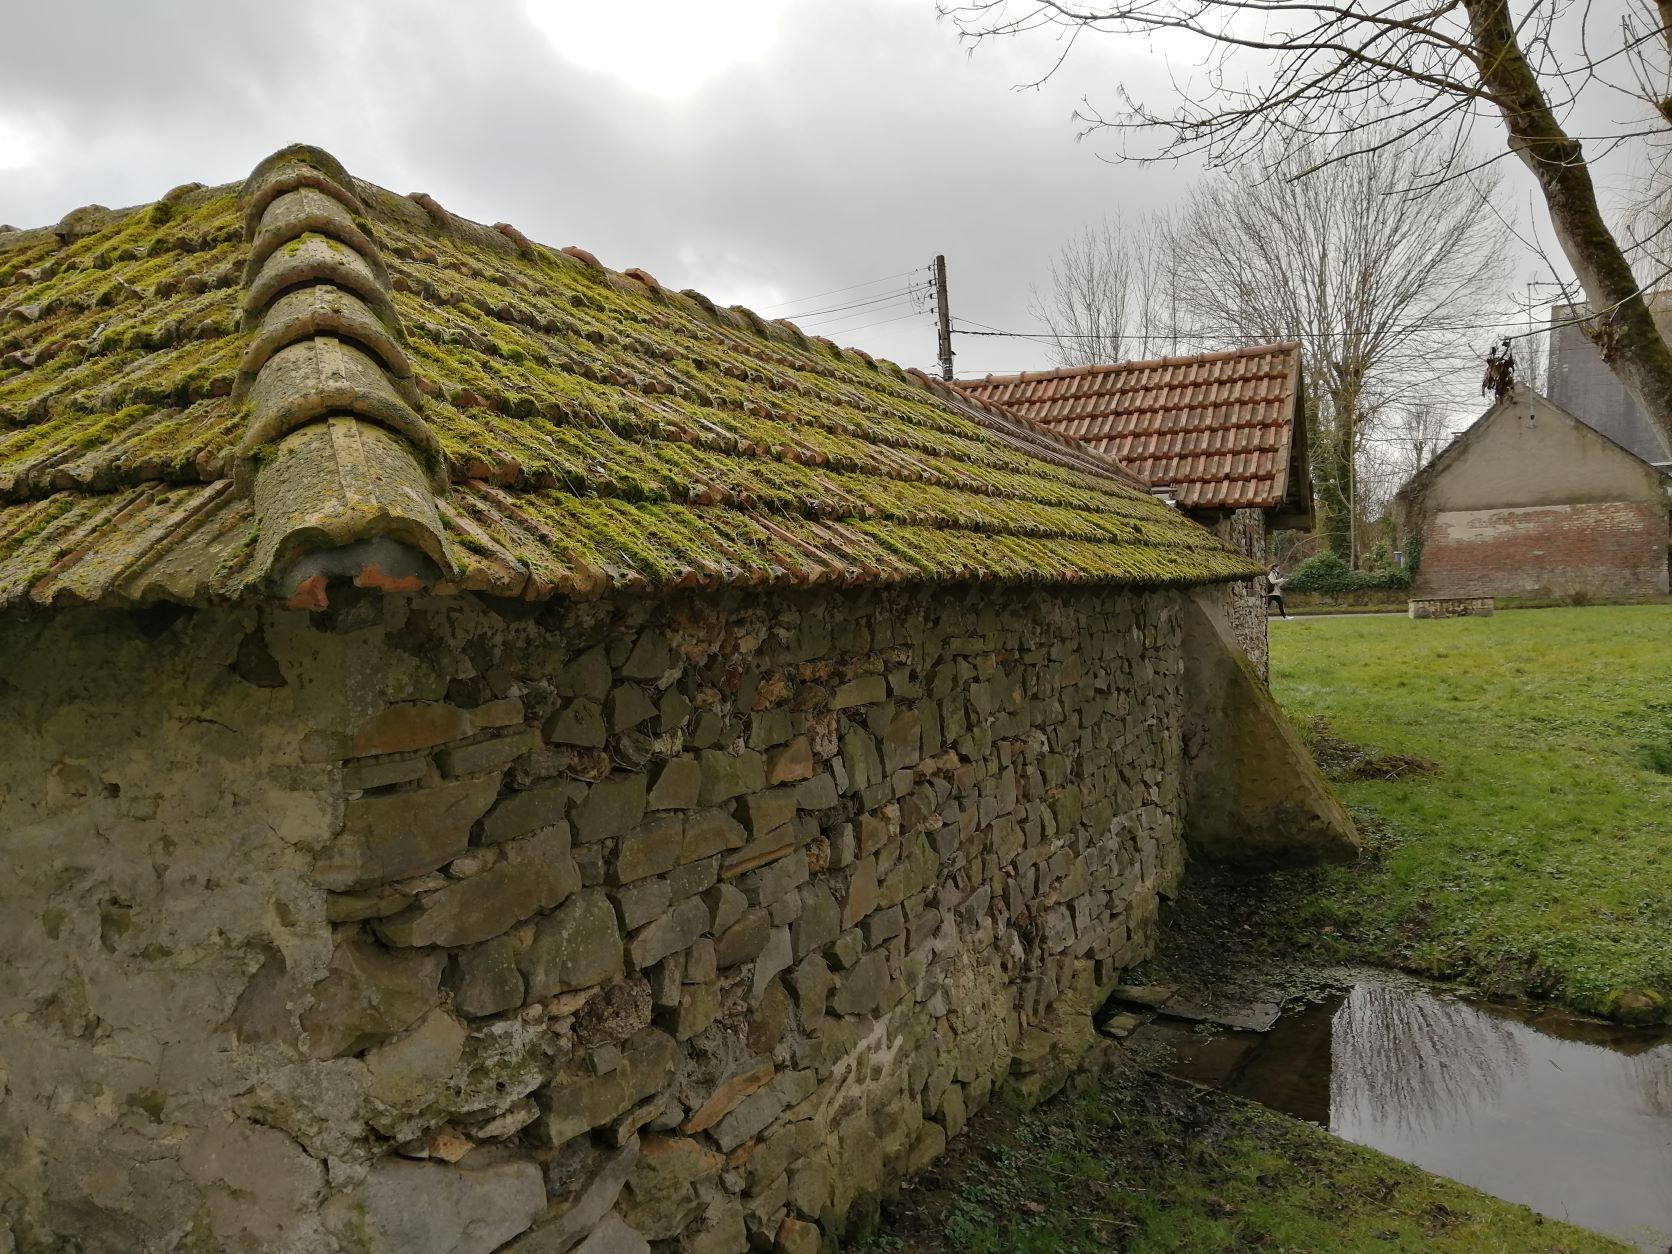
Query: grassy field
{"type": "Point", "coordinates": [1145, 1165]}
{"type": "Point", "coordinates": [1536, 858]}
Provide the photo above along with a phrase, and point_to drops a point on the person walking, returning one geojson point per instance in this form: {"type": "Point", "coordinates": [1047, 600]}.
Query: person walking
{"type": "Point", "coordinates": [1274, 590]}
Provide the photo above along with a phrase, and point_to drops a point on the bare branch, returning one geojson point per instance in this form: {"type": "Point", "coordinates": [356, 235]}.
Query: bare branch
{"type": "Point", "coordinates": [1296, 88]}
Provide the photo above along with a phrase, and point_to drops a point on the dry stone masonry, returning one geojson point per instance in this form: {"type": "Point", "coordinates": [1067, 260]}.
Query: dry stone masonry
{"type": "Point", "coordinates": [1453, 607]}
{"type": "Point", "coordinates": [1245, 599]}
{"type": "Point", "coordinates": [587, 926]}
{"type": "Point", "coordinates": [503, 756]}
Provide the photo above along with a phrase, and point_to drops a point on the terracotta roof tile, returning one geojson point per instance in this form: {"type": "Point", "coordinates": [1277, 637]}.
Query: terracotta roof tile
{"type": "Point", "coordinates": [1217, 428]}
{"type": "Point", "coordinates": [195, 406]}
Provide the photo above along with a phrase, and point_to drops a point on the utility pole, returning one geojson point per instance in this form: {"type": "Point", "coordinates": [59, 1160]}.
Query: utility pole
{"type": "Point", "coordinates": [943, 315]}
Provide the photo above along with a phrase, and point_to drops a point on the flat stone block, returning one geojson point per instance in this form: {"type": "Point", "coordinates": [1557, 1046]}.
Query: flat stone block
{"type": "Point", "coordinates": [369, 994]}
{"type": "Point", "coordinates": [417, 725]}
{"type": "Point", "coordinates": [678, 785]}
{"type": "Point", "coordinates": [743, 940]}
{"type": "Point", "coordinates": [710, 832]}
{"type": "Point", "coordinates": [791, 762]}
{"type": "Point", "coordinates": [484, 978]}
{"type": "Point", "coordinates": [575, 1104]}
{"type": "Point", "coordinates": [359, 776]}
{"type": "Point", "coordinates": [535, 874]}
{"type": "Point", "coordinates": [755, 1075]}
{"type": "Point", "coordinates": [492, 754]}
{"type": "Point", "coordinates": [518, 813]}
{"type": "Point", "coordinates": [576, 946]}
{"type": "Point", "coordinates": [865, 690]}
{"type": "Point", "coordinates": [650, 849]}
{"type": "Point", "coordinates": [581, 722]}
{"type": "Point", "coordinates": [611, 806]}
{"type": "Point", "coordinates": [678, 929]}
{"type": "Point", "coordinates": [405, 1207]}
{"type": "Point", "coordinates": [396, 836]}
{"type": "Point", "coordinates": [726, 775]}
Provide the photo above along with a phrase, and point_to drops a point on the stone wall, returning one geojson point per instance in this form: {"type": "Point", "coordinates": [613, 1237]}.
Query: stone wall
{"type": "Point", "coordinates": [1454, 607]}
{"type": "Point", "coordinates": [446, 928]}
{"type": "Point", "coordinates": [1245, 600]}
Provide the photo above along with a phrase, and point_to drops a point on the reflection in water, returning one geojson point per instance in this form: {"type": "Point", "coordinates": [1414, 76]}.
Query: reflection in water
{"type": "Point", "coordinates": [1570, 1117]}
{"type": "Point", "coordinates": [1414, 1063]}
{"type": "Point", "coordinates": [1653, 1073]}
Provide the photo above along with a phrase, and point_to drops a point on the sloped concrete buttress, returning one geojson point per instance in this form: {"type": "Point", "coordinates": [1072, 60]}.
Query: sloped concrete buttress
{"type": "Point", "coordinates": [1253, 795]}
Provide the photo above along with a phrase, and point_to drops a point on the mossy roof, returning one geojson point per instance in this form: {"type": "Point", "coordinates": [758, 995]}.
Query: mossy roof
{"type": "Point", "coordinates": [597, 430]}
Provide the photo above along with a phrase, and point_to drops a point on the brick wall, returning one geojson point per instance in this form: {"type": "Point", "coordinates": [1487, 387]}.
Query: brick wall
{"type": "Point", "coordinates": [1609, 549]}
{"type": "Point", "coordinates": [433, 927]}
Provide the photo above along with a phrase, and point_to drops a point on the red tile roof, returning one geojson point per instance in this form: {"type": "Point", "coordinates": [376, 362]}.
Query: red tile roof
{"type": "Point", "coordinates": [1218, 428]}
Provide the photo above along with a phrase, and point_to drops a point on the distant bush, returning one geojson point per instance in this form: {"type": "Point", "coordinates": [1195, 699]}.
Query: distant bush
{"type": "Point", "coordinates": [1327, 574]}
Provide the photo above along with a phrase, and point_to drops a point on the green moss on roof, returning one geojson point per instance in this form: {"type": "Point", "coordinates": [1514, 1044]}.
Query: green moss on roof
{"type": "Point", "coordinates": [597, 432]}
{"type": "Point", "coordinates": [111, 335]}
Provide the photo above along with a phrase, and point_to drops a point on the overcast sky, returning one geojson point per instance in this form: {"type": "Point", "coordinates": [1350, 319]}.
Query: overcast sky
{"type": "Point", "coordinates": [762, 151]}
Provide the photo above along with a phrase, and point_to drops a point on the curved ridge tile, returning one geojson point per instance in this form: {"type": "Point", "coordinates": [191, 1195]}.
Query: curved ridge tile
{"type": "Point", "coordinates": [341, 470]}
{"type": "Point", "coordinates": [299, 165]}
{"type": "Point", "coordinates": [317, 378]}
{"type": "Point", "coordinates": [315, 259]}
{"type": "Point", "coordinates": [307, 210]}
{"type": "Point", "coordinates": [305, 313]}
{"type": "Point", "coordinates": [327, 494]}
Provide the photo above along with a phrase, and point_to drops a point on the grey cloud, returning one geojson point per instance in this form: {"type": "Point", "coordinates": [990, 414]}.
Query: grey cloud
{"type": "Point", "coordinates": [867, 140]}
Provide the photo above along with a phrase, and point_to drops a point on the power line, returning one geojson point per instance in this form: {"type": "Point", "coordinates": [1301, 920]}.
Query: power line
{"type": "Point", "coordinates": [910, 313]}
{"type": "Point", "coordinates": [851, 287]}
{"type": "Point", "coordinates": [1049, 337]}
{"type": "Point", "coordinates": [814, 314]}
{"type": "Point", "coordinates": [853, 322]}
{"type": "Point", "coordinates": [839, 320]}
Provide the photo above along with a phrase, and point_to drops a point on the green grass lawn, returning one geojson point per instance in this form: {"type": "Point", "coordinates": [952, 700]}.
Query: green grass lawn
{"type": "Point", "coordinates": [1144, 1165]}
{"type": "Point", "coordinates": [1537, 859]}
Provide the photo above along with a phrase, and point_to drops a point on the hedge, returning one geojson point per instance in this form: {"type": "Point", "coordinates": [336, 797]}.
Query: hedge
{"type": "Point", "coordinates": [1328, 574]}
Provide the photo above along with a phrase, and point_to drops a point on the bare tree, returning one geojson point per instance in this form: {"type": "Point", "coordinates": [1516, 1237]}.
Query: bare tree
{"type": "Point", "coordinates": [1109, 293]}
{"type": "Point", "coordinates": [1279, 76]}
{"type": "Point", "coordinates": [1531, 352]}
{"type": "Point", "coordinates": [1648, 211]}
{"type": "Point", "coordinates": [1424, 429]}
{"type": "Point", "coordinates": [1406, 439]}
{"type": "Point", "coordinates": [1381, 291]}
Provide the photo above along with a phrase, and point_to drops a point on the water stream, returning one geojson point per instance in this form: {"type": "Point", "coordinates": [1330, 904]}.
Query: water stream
{"type": "Point", "coordinates": [1568, 1116]}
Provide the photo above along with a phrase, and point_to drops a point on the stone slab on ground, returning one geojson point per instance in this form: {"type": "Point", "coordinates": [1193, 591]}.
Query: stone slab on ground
{"type": "Point", "coordinates": [1252, 1016]}
{"type": "Point", "coordinates": [1152, 995]}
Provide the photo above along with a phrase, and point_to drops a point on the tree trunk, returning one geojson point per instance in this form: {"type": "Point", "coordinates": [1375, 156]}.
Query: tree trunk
{"type": "Point", "coordinates": [1624, 331]}
{"type": "Point", "coordinates": [1331, 468]}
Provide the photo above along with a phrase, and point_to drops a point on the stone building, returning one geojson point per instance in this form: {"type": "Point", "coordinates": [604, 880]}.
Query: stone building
{"type": "Point", "coordinates": [1530, 501]}
{"type": "Point", "coordinates": [1224, 433]}
{"type": "Point", "coordinates": [503, 756]}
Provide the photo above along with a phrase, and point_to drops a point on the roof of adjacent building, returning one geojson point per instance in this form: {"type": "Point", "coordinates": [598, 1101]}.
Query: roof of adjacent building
{"type": "Point", "coordinates": [1520, 399]}
{"type": "Point", "coordinates": [1584, 385]}
{"type": "Point", "coordinates": [307, 378]}
{"type": "Point", "coordinates": [1223, 430]}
